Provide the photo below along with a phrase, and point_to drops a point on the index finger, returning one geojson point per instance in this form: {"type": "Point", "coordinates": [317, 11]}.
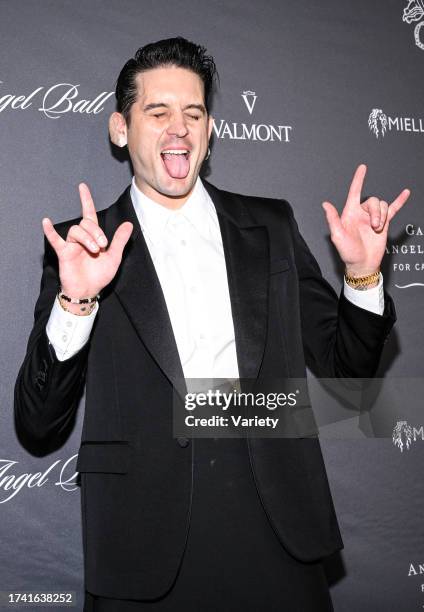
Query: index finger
{"type": "Point", "coordinates": [354, 195]}
{"type": "Point", "coordinates": [88, 208]}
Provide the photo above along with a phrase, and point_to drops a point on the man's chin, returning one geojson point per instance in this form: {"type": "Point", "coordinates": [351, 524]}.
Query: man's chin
{"type": "Point", "coordinates": [178, 187]}
{"type": "Point", "coordinates": [167, 189]}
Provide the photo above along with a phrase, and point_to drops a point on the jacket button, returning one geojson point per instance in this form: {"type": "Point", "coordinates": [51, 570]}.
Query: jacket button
{"type": "Point", "coordinates": [39, 383]}
{"type": "Point", "coordinates": [183, 442]}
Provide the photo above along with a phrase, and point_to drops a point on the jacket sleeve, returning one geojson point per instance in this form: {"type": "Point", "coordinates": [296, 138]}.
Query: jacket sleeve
{"type": "Point", "coordinates": [339, 338]}
{"type": "Point", "coordinates": [47, 390]}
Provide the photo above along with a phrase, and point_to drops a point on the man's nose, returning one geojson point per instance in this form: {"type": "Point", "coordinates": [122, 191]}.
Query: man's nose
{"type": "Point", "coordinates": [178, 126]}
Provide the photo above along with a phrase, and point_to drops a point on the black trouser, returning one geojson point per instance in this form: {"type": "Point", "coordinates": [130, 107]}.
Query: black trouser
{"type": "Point", "coordinates": [233, 561]}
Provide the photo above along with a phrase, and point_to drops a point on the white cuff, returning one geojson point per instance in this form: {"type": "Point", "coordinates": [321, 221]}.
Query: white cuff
{"type": "Point", "coordinates": [368, 299]}
{"type": "Point", "coordinates": [68, 332]}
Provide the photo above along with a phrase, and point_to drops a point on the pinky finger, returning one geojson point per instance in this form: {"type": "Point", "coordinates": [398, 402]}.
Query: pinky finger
{"type": "Point", "coordinates": [397, 204]}
{"type": "Point", "coordinates": [52, 236]}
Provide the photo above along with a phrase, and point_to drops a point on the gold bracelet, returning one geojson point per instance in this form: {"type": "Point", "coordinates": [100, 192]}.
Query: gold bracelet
{"type": "Point", "coordinates": [362, 281]}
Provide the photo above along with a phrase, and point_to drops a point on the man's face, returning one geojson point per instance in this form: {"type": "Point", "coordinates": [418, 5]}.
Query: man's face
{"type": "Point", "coordinates": [168, 133]}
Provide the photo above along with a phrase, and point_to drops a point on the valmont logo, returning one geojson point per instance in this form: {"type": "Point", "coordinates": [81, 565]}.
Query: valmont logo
{"type": "Point", "coordinates": [404, 435]}
{"type": "Point", "coordinates": [379, 123]}
{"type": "Point", "coordinates": [414, 11]}
{"type": "Point", "coordinates": [264, 132]}
{"type": "Point", "coordinates": [249, 98]}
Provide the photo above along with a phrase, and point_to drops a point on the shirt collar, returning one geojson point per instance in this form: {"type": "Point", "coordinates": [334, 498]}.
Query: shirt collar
{"type": "Point", "coordinates": [153, 217]}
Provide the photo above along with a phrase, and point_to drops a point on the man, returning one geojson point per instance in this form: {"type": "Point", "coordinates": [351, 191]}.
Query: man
{"type": "Point", "coordinates": [195, 282]}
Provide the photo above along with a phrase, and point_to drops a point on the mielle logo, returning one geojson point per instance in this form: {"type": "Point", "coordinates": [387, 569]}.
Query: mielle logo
{"type": "Point", "coordinates": [264, 132]}
{"type": "Point", "coordinates": [55, 101]}
{"type": "Point", "coordinates": [379, 123]}
{"type": "Point", "coordinates": [404, 435]}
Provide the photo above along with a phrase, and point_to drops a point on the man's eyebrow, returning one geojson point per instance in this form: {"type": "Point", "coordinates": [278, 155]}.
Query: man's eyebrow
{"type": "Point", "coordinates": [199, 107]}
{"type": "Point", "coordinates": [154, 105]}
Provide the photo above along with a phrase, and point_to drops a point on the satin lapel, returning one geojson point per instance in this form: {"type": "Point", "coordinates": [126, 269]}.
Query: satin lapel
{"type": "Point", "coordinates": [138, 289]}
{"type": "Point", "coordinates": [246, 248]}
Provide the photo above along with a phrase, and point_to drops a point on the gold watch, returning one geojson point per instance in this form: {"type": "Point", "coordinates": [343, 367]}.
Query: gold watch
{"type": "Point", "coordinates": [362, 282]}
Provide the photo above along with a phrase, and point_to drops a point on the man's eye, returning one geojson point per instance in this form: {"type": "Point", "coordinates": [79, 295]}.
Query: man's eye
{"type": "Point", "coordinates": [196, 117]}
{"type": "Point", "coordinates": [159, 115]}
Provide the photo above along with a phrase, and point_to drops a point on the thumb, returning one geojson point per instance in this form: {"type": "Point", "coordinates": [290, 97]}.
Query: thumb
{"type": "Point", "coordinates": [120, 239]}
{"type": "Point", "coordinates": [333, 219]}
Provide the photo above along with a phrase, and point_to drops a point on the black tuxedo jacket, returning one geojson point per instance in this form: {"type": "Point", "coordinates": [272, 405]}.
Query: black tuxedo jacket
{"type": "Point", "coordinates": [136, 479]}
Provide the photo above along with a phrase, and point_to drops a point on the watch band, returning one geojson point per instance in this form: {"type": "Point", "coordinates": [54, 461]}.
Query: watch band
{"type": "Point", "coordinates": [362, 281]}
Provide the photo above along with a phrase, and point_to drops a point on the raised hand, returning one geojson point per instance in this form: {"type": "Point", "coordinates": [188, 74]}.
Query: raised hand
{"type": "Point", "coordinates": [86, 266]}
{"type": "Point", "coordinates": [360, 232]}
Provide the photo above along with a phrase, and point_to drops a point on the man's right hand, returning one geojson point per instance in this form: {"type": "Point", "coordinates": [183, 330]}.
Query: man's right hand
{"type": "Point", "coordinates": [85, 265]}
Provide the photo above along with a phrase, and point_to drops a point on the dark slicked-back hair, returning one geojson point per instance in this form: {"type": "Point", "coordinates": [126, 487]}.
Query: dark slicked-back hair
{"type": "Point", "coordinates": [168, 52]}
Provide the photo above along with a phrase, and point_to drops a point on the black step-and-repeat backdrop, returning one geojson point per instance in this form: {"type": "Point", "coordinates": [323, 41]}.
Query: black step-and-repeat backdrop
{"type": "Point", "coordinates": [307, 91]}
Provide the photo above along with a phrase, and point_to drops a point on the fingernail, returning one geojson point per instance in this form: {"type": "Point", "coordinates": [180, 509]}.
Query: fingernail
{"type": "Point", "coordinates": [94, 246]}
{"type": "Point", "coordinates": [102, 241]}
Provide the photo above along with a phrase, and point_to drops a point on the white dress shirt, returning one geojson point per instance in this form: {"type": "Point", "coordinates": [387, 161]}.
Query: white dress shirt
{"type": "Point", "coordinates": [187, 252]}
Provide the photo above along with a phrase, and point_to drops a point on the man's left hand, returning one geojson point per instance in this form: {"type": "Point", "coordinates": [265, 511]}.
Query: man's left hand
{"type": "Point", "coordinates": [360, 232]}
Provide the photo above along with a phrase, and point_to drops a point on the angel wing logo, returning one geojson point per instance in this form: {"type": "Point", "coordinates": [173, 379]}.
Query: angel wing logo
{"type": "Point", "coordinates": [377, 122]}
{"type": "Point", "coordinates": [414, 11]}
{"type": "Point", "coordinates": [402, 435]}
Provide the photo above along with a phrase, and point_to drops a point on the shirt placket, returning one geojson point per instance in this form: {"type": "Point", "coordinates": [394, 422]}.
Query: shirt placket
{"type": "Point", "coordinates": [200, 364]}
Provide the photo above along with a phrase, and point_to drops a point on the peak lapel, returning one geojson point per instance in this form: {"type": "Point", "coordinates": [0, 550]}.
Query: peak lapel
{"type": "Point", "coordinates": [246, 248]}
{"type": "Point", "coordinates": [138, 289]}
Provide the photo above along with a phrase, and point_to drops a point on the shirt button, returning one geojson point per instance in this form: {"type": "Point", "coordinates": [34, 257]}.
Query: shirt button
{"type": "Point", "coordinates": [68, 323]}
{"type": "Point", "coordinates": [64, 337]}
{"type": "Point", "coordinates": [193, 289]}
{"type": "Point", "coordinates": [183, 242]}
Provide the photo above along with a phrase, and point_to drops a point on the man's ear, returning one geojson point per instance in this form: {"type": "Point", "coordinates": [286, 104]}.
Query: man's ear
{"type": "Point", "coordinates": [118, 129]}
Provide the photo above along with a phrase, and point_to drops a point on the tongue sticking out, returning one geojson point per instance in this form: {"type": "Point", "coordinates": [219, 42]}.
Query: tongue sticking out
{"type": "Point", "coordinates": [176, 165]}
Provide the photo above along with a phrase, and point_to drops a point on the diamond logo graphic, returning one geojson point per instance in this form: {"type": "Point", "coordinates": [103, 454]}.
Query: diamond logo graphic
{"type": "Point", "coordinates": [249, 98]}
